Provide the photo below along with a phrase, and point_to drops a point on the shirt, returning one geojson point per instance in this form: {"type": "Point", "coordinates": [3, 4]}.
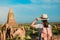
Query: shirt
{"type": "Point", "coordinates": [43, 31]}
{"type": "Point", "coordinates": [41, 25]}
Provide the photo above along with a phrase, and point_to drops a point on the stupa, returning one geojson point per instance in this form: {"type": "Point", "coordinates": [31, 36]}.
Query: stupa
{"type": "Point", "coordinates": [11, 21]}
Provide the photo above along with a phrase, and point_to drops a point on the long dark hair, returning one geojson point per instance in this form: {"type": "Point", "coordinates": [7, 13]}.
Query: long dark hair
{"type": "Point", "coordinates": [45, 23]}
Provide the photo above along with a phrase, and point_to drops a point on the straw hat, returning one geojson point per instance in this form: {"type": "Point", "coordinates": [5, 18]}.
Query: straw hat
{"type": "Point", "coordinates": [44, 17]}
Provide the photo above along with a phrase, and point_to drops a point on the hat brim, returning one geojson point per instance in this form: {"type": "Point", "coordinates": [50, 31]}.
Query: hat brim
{"type": "Point", "coordinates": [44, 18]}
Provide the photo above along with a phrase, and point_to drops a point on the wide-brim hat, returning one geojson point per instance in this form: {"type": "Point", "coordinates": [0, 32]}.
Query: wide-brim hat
{"type": "Point", "coordinates": [44, 17]}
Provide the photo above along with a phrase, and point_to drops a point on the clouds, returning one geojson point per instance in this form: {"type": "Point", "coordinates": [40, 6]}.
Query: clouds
{"type": "Point", "coordinates": [30, 12]}
{"type": "Point", "coordinates": [58, 1]}
{"type": "Point", "coordinates": [27, 12]}
{"type": "Point", "coordinates": [35, 1]}
{"type": "Point", "coordinates": [3, 14]}
{"type": "Point", "coordinates": [51, 0]}
{"type": "Point", "coordinates": [45, 1]}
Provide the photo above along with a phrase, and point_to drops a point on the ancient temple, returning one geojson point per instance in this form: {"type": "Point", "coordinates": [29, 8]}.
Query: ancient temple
{"type": "Point", "coordinates": [10, 20]}
{"type": "Point", "coordinates": [9, 24]}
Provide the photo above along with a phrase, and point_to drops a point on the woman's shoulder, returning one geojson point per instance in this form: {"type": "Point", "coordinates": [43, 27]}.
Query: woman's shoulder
{"type": "Point", "coordinates": [40, 24]}
{"type": "Point", "coordinates": [49, 25]}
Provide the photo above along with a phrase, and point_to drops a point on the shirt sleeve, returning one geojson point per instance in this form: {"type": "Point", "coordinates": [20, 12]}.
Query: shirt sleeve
{"type": "Point", "coordinates": [38, 26]}
{"type": "Point", "coordinates": [50, 26]}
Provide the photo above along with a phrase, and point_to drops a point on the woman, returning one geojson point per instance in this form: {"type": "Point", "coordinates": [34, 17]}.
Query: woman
{"type": "Point", "coordinates": [44, 28]}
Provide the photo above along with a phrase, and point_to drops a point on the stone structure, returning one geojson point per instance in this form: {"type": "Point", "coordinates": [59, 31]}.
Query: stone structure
{"type": "Point", "coordinates": [11, 21]}
{"type": "Point", "coordinates": [9, 24]}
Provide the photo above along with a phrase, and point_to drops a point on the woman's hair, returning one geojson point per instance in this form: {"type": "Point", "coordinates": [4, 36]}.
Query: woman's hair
{"type": "Point", "coordinates": [45, 23]}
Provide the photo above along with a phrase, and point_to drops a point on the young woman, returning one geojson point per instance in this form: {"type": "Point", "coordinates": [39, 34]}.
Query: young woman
{"type": "Point", "coordinates": [44, 28]}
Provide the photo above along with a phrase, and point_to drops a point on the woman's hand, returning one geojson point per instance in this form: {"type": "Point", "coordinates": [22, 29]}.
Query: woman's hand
{"type": "Point", "coordinates": [37, 19]}
{"type": "Point", "coordinates": [33, 23]}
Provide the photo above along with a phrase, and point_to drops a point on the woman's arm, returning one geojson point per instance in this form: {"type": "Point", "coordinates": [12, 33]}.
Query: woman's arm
{"type": "Point", "coordinates": [33, 23]}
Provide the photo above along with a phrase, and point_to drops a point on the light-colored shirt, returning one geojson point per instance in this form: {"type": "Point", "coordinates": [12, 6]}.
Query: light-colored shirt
{"type": "Point", "coordinates": [41, 25]}
{"type": "Point", "coordinates": [38, 26]}
{"type": "Point", "coordinates": [43, 32]}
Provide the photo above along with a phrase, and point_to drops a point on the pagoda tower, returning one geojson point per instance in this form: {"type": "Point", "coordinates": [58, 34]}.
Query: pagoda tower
{"type": "Point", "coordinates": [11, 21]}
{"type": "Point", "coordinates": [9, 24]}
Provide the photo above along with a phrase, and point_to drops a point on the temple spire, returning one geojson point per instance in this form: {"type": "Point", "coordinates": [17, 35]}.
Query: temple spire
{"type": "Point", "coordinates": [10, 10]}
{"type": "Point", "coordinates": [11, 21]}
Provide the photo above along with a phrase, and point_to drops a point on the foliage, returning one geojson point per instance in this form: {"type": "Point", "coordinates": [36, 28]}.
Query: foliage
{"type": "Point", "coordinates": [34, 32]}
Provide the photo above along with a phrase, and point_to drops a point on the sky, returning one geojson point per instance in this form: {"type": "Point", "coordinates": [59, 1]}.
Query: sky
{"type": "Point", "coordinates": [25, 11]}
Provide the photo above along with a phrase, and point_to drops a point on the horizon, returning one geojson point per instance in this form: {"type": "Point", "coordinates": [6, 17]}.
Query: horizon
{"type": "Point", "coordinates": [25, 11]}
